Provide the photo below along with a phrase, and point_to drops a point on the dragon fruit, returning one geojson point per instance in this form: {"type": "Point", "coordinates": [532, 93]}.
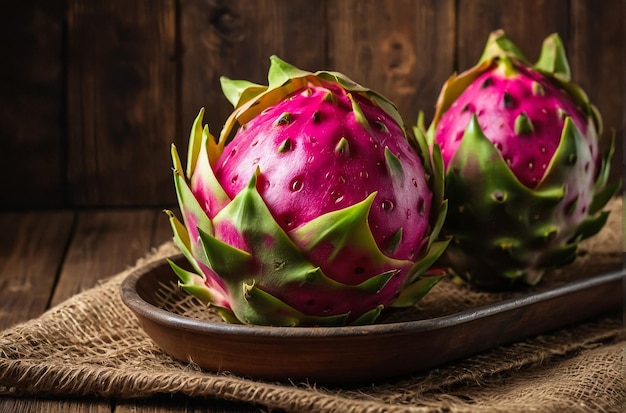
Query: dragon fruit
{"type": "Point", "coordinates": [524, 177]}
{"type": "Point", "coordinates": [317, 210]}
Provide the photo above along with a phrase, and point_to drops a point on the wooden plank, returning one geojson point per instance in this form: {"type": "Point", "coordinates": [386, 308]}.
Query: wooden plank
{"type": "Point", "coordinates": [31, 253]}
{"type": "Point", "coordinates": [235, 39]}
{"type": "Point", "coordinates": [221, 406]}
{"type": "Point", "coordinates": [596, 53]}
{"type": "Point", "coordinates": [31, 104]}
{"type": "Point", "coordinates": [403, 49]}
{"type": "Point", "coordinates": [121, 101]}
{"type": "Point", "coordinates": [526, 23]}
{"type": "Point", "coordinates": [32, 248]}
{"type": "Point", "coordinates": [180, 404]}
{"type": "Point", "coordinates": [53, 405]}
{"type": "Point", "coordinates": [158, 404]}
{"type": "Point", "coordinates": [105, 243]}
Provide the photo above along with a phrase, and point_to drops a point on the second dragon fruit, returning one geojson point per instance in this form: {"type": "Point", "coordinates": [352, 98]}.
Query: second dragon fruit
{"type": "Point", "coordinates": [524, 175]}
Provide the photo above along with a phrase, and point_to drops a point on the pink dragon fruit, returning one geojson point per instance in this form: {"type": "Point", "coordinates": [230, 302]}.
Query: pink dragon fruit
{"type": "Point", "coordinates": [318, 211]}
{"type": "Point", "coordinates": [524, 177]}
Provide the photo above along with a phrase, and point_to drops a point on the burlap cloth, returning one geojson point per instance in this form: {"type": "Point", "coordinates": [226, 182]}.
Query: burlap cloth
{"type": "Point", "coordinates": [92, 345]}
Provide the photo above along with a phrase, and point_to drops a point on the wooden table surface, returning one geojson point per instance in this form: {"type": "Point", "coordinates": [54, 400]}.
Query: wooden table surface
{"type": "Point", "coordinates": [48, 256]}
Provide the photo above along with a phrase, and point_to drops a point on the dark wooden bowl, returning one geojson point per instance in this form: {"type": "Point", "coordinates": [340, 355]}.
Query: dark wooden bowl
{"type": "Point", "coordinates": [343, 355]}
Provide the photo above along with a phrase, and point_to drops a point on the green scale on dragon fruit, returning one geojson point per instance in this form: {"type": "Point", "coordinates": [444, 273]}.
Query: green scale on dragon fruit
{"type": "Point", "coordinates": [320, 210]}
{"type": "Point", "coordinates": [524, 176]}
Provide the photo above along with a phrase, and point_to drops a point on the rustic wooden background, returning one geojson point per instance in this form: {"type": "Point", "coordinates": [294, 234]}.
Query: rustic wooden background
{"type": "Point", "coordinates": [92, 93]}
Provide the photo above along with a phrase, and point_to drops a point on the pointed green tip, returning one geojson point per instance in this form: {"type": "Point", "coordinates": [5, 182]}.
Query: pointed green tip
{"type": "Point", "coordinates": [473, 126]}
{"type": "Point", "coordinates": [368, 317]}
{"type": "Point", "coordinates": [342, 147]}
{"type": "Point", "coordinates": [592, 225]}
{"type": "Point", "coordinates": [413, 293]}
{"type": "Point", "coordinates": [329, 97]}
{"type": "Point", "coordinates": [253, 178]}
{"type": "Point", "coordinates": [274, 58]}
{"type": "Point", "coordinates": [195, 141]}
{"type": "Point", "coordinates": [359, 116]}
{"type": "Point", "coordinates": [231, 94]}
{"type": "Point", "coordinates": [394, 167]}
{"type": "Point", "coordinates": [523, 125]}
{"type": "Point", "coordinates": [570, 133]}
{"type": "Point", "coordinates": [347, 226]}
{"type": "Point", "coordinates": [498, 45]}
{"type": "Point", "coordinates": [283, 119]}
{"type": "Point", "coordinates": [551, 195]}
{"type": "Point", "coordinates": [506, 66]}
{"type": "Point", "coordinates": [553, 59]}
{"type": "Point", "coordinates": [546, 234]}
{"type": "Point", "coordinates": [538, 89]}
{"type": "Point", "coordinates": [239, 91]}
{"type": "Point", "coordinates": [280, 72]}
{"type": "Point", "coordinates": [193, 284]}
{"type": "Point", "coordinates": [285, 146]}
{"type": "Point", "coordinates": [420, 121]}
{"type": "Point", "coordinates": [176, 164]}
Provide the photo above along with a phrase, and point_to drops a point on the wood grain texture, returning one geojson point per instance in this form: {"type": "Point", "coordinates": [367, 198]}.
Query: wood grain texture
{"type": "Point", "coordinates": [32, 247]}
{"type": "Point", "coordinates": [526, 23]}
{"type": "Point", "coordinates": [121, 101]}
{"type": "Point", "coordinates": [31, 104]}
{"type": "Point", "coordinates": [235, 39]}
{"type": "Point", "coordinates": [403, 49]}
{"type": "Point", "coordinates": [180, 404]}
{"type": "Point", "coordinates": [104, 243]}
{"type": "Point", "coordinates": [596, 52]}
{"type": "Point", "coordinates": [32, 253]}
{"type": "Point", "coordinates": [52, 405]}
{"type": "Point", "coordinates": [95, 92]}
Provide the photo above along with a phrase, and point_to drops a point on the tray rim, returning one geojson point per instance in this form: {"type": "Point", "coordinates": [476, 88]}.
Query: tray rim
{"type": "Point", "coordinates": [131, 298]}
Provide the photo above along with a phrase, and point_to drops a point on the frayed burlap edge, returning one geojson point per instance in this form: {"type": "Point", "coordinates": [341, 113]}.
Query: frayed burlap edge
{"type": "Point", "coordinates": [92, 345]}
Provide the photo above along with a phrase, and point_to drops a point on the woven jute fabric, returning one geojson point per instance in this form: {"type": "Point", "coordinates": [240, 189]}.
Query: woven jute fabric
{"type": "Point", "coordinates": [92, 344]}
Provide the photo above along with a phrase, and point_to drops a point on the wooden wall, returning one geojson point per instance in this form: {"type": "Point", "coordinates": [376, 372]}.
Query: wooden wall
{"type": "Point", "coordinates": [92, 93]}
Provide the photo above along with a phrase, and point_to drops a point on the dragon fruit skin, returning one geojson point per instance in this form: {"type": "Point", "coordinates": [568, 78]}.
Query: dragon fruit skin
{"type": "Point", "coordinates": [323, 135]}
{"type": "Point", "coordinates": [524, 177]}
{"type": "Point", "coordinates": [318, 211]}
{"type": "Point", "coordinates": [510, 102]}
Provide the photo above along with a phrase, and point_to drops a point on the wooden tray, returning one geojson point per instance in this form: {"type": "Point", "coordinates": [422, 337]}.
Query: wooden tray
{"type": "Point", "coordinates": [362, 353]}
